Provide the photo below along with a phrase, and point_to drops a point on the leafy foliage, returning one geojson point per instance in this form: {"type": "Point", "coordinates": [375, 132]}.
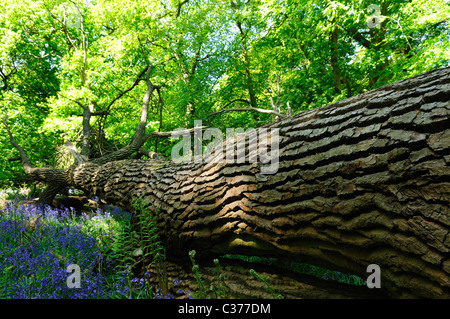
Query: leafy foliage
{"type": "Point", "coordinates": [124, 246]}
{"type": "Point", "coordinates": [205, 55]}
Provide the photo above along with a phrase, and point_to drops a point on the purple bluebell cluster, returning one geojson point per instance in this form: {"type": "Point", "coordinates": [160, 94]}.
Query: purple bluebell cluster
{"type": "Point", "coordinates": [33, 261]}
{"type": "Point", "coordinates": [38, 244]}
{"type": "Point", "coordinates": [159, 294]}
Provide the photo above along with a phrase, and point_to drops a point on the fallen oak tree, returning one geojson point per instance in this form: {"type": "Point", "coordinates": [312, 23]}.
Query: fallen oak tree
{"type": "Point", "coordinates": [360, 181]}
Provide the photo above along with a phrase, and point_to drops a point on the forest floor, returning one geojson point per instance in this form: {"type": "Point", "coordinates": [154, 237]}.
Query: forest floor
{"type": "Point", "coordinates": [39, 244]}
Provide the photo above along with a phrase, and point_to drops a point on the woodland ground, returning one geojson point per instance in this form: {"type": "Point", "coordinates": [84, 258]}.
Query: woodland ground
{"type": "Point", "coordinates": [37, 245]}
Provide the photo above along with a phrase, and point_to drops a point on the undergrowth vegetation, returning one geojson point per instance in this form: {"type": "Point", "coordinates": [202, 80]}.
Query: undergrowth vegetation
{"type": "Point", "coordinates": [37, 244]}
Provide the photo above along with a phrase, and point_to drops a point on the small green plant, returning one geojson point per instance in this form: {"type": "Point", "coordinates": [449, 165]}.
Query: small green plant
{"type": "Point", "coordinates": [148, 230]}
{"type": "Point", "coordinates": [217, 289]}
{"type": "Point", "coordinates": [150, 245]}
{"type": "Point", "coordinates": [201, 292]}
{"type": "Point", "coordinates": [123, 246]}
{"type": "Point", "coordinates": [143, 247]}
{"type": "Point", "coordinates": [267, 286]}
{"type": "Point", "coordinates": [221, 289]}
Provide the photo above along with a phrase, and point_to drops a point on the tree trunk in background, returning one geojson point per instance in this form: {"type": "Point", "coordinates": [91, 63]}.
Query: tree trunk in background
{"type": "Point", "coordinates": [334, 56]}
{"type": "Point", "coordinates": [361, 181]}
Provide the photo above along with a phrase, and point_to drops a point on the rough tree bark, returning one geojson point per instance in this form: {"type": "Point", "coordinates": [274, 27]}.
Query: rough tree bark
{"type": "Point", "coordinates": [361, 181]}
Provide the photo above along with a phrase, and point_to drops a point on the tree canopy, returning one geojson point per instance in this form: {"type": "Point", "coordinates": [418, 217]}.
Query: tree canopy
{"type": "Point", "coordinates": [65, 63]}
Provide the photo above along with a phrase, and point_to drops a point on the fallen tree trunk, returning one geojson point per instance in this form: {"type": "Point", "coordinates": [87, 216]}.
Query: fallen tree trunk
{"type": "Point", "coordinates": [361, 181]}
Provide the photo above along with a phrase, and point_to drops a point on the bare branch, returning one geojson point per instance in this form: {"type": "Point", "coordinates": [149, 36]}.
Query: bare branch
{"type": "Point", "coordinates": [58, 178]}
{"type": "Point", "coordinates": [5, 77]}
{"type": "Point", "coordinates": [86, 148]}
{"type": "Point", "coordinates": [237, 100]}
{"type": "Point", "coordinates": [140, 131]}
{"type": "Point", "coordinates": [278, 90]}
{"type": "Point", "coordinates": [136, 82]}
{"type": "Point", "coordinates": [26, 163]}
{"type": "Point", "coordinates": [139, 137]}
{"type": "Point", "coordinates": [358, 37]}
{"type": "Point", "coordinates": [76, 101]}
{"type": "Point", "coordinates": [170, 133]}
{"type": "Point", "coordinates": [161, 106]}
{"type": "Point", "coordinates": [64, 26]}
{"type": "Point", "coordinates": [108, 107]}
{"type": "Point", "coordinates": [180, 4]}
{"type": "Point", "coordinates": [275, 106]}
